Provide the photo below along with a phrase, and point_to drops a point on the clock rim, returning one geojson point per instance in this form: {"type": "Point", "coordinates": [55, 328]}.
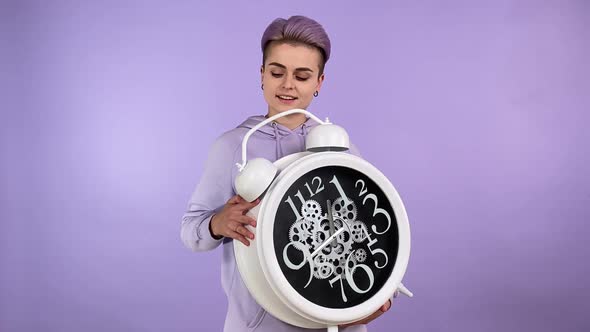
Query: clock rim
{"type": "Point", "coordinates": [266, 249]}
{"type": "Point", "coordinates": [249, 264]}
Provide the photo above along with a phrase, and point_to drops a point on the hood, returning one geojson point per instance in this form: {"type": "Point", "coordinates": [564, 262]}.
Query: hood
{"type": "Point", "coordinates": [278, 132]}
{"type": "Point", "coordinates": [274, 129]}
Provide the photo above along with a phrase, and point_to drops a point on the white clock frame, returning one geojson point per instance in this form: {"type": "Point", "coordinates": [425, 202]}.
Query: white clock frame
{"type": "Point", "coordinates": [259, 266]}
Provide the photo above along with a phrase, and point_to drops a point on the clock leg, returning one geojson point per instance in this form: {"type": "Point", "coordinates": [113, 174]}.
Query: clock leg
{"type": "Point", "coordinates": [404, 290]}
{"type": "Point", "coordinates": [333, 328]}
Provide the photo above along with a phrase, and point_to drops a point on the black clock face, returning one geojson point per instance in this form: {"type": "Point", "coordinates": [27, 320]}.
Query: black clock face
{"type": "Point", "coordinates": [335, 237]}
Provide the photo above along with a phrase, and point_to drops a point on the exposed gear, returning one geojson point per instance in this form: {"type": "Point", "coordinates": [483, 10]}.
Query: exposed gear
{"type": "Point", "coordinates": [339, 249]}
{"type": "Point", "coordinates": [345, 238]}
{"type": "Point", "coordinates": [323, 270]}
{"type": "Point", "coordinates": [346, 212]}
{"type": "Point", "coordinates": [334, 255]}
{"type": "Point", "coordinates": [359, 231]}
{"type": "Point", "coordinates": [300, 232]}
{"type": "Point", "coordinates": [360, 255]}
{"type": "Point", "coordinates": [322, 232]}
{"type": "Point", "coordinates": [352, 261]}
{"type": "Point", "coordinates": [313, 229]}
{"type": "Point", "coordinates": [311, 210]}
{"type": "Point", "coordinates": [339, 265]}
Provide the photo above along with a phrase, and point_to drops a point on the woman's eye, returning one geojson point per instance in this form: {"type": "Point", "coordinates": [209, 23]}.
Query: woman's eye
{"type": "Point", "coordinates": [276, 75]}
{"type": "Point", "coordinates": [301, 78]}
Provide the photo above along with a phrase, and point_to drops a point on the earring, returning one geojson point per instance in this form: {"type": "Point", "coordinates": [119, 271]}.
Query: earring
{"type": "Point", "coordinates": [315, 94]}
{"type": "Point", "coordinates": [262, 86]}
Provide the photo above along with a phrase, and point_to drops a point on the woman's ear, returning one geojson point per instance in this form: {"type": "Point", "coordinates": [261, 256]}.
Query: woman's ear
{"type": "Point", "coordinates": [320, 81]}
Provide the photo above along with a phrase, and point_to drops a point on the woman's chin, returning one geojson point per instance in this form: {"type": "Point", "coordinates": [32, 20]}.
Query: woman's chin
{"type": "Point", "coordinates": [283, 108]}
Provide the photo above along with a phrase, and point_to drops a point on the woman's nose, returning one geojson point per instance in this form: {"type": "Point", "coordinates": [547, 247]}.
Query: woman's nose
{"type": "Point", "coordinates": [288, 82]}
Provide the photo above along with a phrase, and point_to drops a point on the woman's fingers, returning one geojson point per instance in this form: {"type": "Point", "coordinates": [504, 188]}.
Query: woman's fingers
{"type": "Point", "coordinates": [237, 236]}
{"type": "Point", "coordinates": [239, 214]}
{"type": "Point", "coordinates": [373, 316]}
{"type": "Point", "coordinates": [235, 200]}
{"type": "Point", "coordinates": [246, 206]}
{"type": "Point", "coordinates": [386, 306]}
{"type": "Point", "coordinates": [243, 231]}
{"type": "Point", "coordinates": [246, 220]}
{"type": "Point", "coordinates": [235, 219]}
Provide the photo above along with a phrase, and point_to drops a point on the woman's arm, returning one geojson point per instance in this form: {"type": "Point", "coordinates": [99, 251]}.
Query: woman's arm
{"type": "Point", "coordinates": [213, 191]}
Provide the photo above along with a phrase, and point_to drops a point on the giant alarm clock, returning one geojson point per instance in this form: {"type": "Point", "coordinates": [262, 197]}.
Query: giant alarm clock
{"type": "Point", "coordinates": [332, 241]}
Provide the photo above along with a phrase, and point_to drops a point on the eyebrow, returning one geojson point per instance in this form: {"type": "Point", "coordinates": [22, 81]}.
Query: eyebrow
{"type": "Point", "coordinates": [296, 69]}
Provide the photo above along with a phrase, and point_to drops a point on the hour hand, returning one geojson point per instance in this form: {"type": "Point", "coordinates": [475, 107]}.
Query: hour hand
{"type": "Point", "coordinates": [331, 222]}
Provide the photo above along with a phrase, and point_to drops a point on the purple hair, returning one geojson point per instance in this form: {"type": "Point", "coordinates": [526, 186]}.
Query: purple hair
{"type": "Point", "coordinates": [297, 30]}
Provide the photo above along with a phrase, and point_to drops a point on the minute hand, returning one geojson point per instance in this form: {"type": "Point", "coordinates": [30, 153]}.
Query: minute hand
{"type": "Point", "coordinates": [325, 243]}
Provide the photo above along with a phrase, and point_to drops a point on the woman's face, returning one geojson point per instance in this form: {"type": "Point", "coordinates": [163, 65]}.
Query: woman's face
{"type": "Point", "coordinates": [290, 76]}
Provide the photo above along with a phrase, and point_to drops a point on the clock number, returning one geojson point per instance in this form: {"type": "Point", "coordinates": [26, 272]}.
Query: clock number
{"type": "Point", "coordinates": [377, 211]}
{"type": "Point", "coordinates": [319, 188]}
{"type": "Point", "coordinates": [298, 195]}
{"type": "Point", "coordinates": [350, 272]}
{"type": "Point", "coordinates": [340, 190]}
{"type": "Point", "coordinates": [333, 280]}
{"type": "Point", "coordinates": [306, 259]}
{"type": "Point", "coordinates": [375, 251]}
{"type": "Point", "coordinates": [292, 205]}
{"type": "Point", "coordinates": [363, 188]}
{"type": "Point", "coordinates": [382, 252]}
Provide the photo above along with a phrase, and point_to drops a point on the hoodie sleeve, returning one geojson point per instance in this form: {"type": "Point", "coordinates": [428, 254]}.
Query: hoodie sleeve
{"type": "Point", "coordinates": [212, 192]}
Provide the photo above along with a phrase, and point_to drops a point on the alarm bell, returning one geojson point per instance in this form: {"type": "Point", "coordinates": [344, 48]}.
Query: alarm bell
{"type": "Point", "coordinates": [327, 137]}
{"type": "Point", "coordinates": [256, 176]}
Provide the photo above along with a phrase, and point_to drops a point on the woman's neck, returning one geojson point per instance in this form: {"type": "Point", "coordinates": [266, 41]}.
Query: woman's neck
{"type": "Point", "coordinates": [290, 121]}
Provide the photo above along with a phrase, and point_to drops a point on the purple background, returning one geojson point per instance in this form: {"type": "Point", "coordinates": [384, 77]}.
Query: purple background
{"type": "Point", "coordinates": [475, 111]}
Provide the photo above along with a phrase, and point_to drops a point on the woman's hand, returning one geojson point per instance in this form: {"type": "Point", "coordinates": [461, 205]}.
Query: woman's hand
{"type": "Point", "coordinates": [232, 219]}
{"type": "Point", "coordinates": [373, 316]}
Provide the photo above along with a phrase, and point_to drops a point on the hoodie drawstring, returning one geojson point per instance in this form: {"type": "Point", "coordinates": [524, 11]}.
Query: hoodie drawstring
{"type": "Point", "coordinates": [303, 135]}
{"type": "Point", "coordinates": [278, 151]}
{"type": "Point", "coordinates": [278, 139]}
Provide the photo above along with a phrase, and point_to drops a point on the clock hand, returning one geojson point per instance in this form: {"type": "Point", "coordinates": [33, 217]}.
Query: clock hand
{"type": "Point", "coordinates": [325, 243]}
{"type": "Point", "coordinates": [331, 221]}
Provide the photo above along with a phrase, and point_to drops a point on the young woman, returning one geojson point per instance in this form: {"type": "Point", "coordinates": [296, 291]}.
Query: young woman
{"type": "Point", "coordinates": [295, 52]}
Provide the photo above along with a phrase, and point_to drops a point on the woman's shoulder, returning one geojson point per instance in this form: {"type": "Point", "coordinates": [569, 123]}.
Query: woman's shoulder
{"type": "Point", "coordinates": [234, 136]}
{"type": "Point", "coordinates": [230, 140]}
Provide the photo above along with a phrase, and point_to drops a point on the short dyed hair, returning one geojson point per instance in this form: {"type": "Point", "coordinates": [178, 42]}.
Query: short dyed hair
{"type": "Point", "coordinates": [297, 30]}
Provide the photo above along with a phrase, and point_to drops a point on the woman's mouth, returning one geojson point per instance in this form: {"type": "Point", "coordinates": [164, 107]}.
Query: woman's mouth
{"type": "Point", "coordinates": [286, 99]}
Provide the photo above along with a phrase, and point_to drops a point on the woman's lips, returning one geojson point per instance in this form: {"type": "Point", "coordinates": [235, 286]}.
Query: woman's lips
{"type": "Point", "coordinates": [287, 100]}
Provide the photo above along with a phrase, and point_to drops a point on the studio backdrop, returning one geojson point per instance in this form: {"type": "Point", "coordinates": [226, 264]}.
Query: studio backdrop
{"type": "Point", "coordinates": [476, 111]}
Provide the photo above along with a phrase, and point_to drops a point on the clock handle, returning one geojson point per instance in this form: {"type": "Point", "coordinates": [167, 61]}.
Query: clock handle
{"type": "Point", "coordinates": [272, 118]}
{"type": "Point", "coordinates": [402, 289]}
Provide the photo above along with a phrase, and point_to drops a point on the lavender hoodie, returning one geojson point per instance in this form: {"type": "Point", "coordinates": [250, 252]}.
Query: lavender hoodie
{"type": "Point", "coordinates": [273, 141]}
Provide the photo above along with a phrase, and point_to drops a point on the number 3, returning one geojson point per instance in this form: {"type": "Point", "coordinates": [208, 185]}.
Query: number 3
{"type": "Point", "coordinates": [377, 211]}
